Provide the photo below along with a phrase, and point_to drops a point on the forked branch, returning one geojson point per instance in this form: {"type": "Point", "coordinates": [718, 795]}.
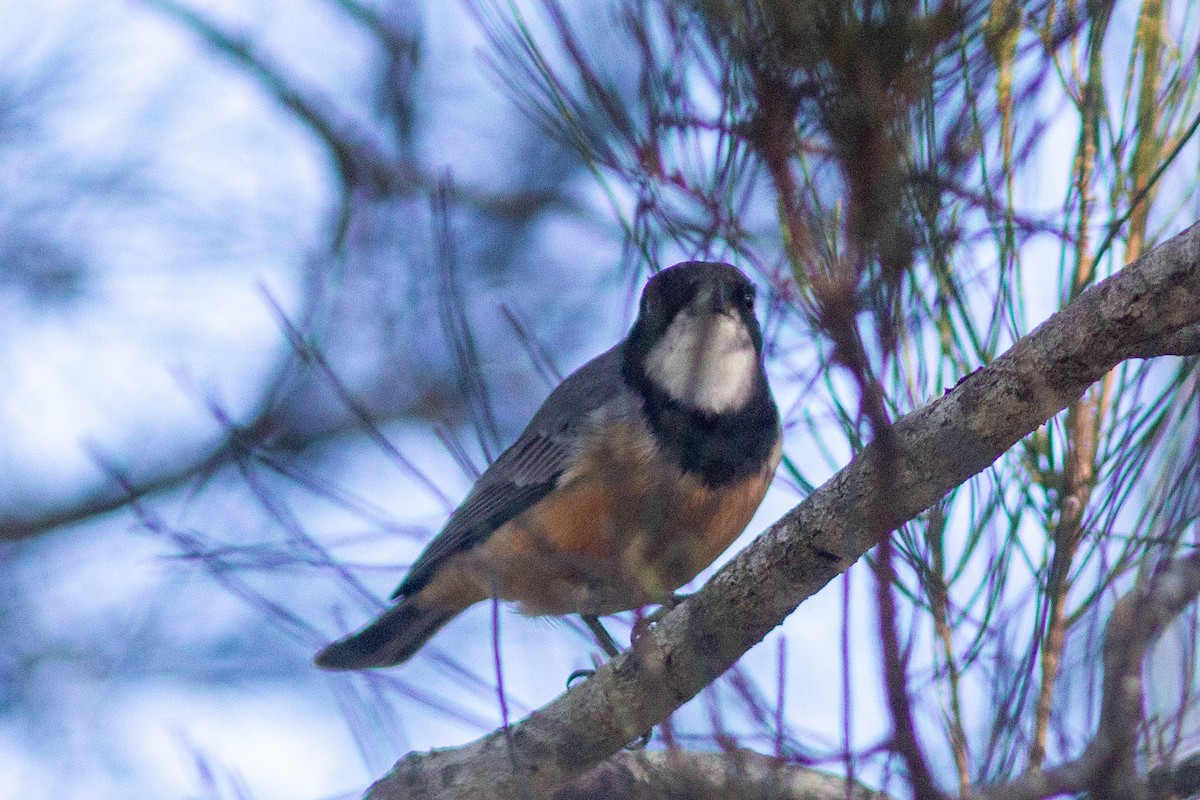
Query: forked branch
{"type": "Point", "coordinates": [1107, 768]}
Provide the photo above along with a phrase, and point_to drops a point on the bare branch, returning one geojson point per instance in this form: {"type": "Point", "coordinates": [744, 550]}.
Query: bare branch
{"type": "Point", "coordinates": [375, 22]}
{"type": "Point", "coordinates": [1107, 768]}
{"type": "Point", "coordinates": [1176, 781]}
{"type": "Point", "coordinates": [362, 160]}
{"type": "Point", "coordinates": [276, 428]}
{"type": "Point", "coordinates": [931, 451]}
{"type": "Point", "coordinates": [1136, 621]}
{"type": "Point", "coordinates": [662, 775]}
{"type": "Point", "coordinates": [1183, 342]}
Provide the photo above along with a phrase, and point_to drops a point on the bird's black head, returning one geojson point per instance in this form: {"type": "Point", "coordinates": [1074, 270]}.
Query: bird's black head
{"type": "Point", "coordinates": [698, 286]}
{"type": "Point", "coordinates": [696, 338]}
{"type": "Point", "coordinates": [695, 356]}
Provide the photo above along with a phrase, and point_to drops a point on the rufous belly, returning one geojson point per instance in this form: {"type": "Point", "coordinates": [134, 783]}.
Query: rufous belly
{"type": "Point", "coordinates": [624, 529]}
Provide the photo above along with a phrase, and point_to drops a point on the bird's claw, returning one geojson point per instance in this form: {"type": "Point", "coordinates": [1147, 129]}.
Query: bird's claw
{"type": "Point", "coordinates": [578, 674]}
{"type": "Point", "coordinates": [639, 743]}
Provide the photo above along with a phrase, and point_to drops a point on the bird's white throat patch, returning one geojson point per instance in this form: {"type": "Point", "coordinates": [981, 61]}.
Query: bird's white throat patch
{"type": "Point", "coordinates": [707, 362]}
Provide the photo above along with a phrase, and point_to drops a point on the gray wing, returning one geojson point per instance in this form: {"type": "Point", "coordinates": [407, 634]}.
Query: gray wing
{"type": "Point", "coordinates": [528, 470]}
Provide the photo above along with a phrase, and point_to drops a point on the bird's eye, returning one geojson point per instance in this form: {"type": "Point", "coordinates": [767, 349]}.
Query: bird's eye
{"type": "Point", "coordinates": [748, 295]}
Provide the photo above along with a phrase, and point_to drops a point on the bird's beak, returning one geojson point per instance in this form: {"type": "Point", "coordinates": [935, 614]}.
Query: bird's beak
{"type": "Point", "coordinates": [714, 299]}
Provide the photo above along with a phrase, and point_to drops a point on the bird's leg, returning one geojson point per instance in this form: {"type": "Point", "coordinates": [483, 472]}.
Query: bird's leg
{"type": "Point", "coordinates": [603, 638]}
{"type": "Point", "coordinates": [610, 647]}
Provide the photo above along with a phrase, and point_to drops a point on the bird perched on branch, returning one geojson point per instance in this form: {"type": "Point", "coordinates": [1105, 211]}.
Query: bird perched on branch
{"type": "Point", "coordinates": [636, 473]}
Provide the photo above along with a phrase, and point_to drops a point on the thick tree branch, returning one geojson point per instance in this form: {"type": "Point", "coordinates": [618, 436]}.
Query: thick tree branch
{"type": "Point", "coordinates": [1176, 781]}
{"type": "Point", "coordinates": [673, 774]}
{"type": "Point", "coordinates": [932, 451]}
{"type": "Point", "coordinates": [1183, 342]}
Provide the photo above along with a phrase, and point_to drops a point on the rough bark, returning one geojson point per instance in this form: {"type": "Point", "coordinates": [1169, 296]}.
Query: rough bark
{"type": "Point", "coordinates": [674, 775]}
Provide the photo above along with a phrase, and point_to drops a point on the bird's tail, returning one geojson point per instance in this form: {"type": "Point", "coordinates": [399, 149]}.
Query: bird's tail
{"type": "Point", "coordinates": [394, 637]}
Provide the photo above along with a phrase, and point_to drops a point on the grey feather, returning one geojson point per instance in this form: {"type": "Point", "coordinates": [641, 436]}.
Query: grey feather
{"type": "Point", "coordinates": [529, 469]}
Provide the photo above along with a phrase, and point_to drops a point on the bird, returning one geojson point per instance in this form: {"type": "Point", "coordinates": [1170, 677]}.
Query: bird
{"type": "Point", "coordinates": [635, 474]}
